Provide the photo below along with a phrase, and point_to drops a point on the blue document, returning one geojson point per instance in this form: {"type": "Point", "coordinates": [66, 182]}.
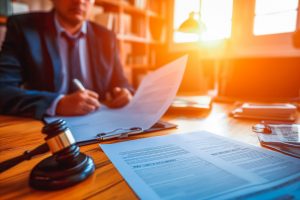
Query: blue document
{"type": "Point", "coordinates": [201, 165]}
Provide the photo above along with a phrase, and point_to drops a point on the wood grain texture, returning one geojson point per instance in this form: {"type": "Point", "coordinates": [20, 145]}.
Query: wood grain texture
{"type": "Point", "coordinates": [20, 134]}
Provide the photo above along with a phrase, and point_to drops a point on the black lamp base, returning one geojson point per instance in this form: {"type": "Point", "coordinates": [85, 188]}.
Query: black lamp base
{"type": "Point", "coordinates": [50, 175]}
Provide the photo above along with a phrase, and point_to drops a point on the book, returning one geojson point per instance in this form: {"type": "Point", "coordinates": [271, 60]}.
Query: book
{"type": "Point", "coordinates": [95, 11]}
{"type": "Point", "coordinates": [191, 104]}
{"type": "Point", "coordinates": [105, 19]}
{"type": "Point", "coordinates": [278, 111]}
{"type": "Point", "coordinates": [19, 8]}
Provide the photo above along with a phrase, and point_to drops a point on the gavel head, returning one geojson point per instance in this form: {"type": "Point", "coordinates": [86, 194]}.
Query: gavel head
{"type": "Point", "coordinates": [61, 142]}
{"type": "Point", "coordinates": [67, 166]}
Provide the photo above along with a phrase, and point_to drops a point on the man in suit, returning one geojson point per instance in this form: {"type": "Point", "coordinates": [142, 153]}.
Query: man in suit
{"type": "Point", "coordinates": [43, 52]}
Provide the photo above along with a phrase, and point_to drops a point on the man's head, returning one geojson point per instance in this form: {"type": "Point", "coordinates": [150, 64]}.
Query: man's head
{"type": "Point", "coordinates": [73, 12]}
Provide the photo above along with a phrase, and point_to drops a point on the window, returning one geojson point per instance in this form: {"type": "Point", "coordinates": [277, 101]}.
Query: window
{"type": "Point", "coordinates": [213, 16]}
{"type": "Point", "coordinates": [275, 16]}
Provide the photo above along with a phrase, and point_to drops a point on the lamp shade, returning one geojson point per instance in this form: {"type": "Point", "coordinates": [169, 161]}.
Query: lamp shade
{"type": "Point", "coordinates": [191, 25]}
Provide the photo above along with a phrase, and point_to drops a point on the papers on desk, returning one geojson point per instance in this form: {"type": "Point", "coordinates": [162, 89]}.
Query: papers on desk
{"type": "Point", "coordinates": [284, 138]}
{"type": "Point", "coordinates": [190, 104]}
{"type": "Point", "coordinates": [201, 165]}
{"type": "Point", "coordinates": [153, 97]}
{"type": "Point", "coordinates": [283, 111]}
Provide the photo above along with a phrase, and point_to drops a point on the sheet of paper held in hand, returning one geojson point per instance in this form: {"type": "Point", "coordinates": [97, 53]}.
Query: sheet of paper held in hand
{"type": "Point", "coordinates": [202, 165]}
{"type": "Point", "coordinates": [153, 97]}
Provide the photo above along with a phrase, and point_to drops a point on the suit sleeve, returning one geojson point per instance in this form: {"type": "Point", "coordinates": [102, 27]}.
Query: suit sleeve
{"type": "Point", "coordinates": [118, 76]}
{"type": "Point", "coordinates": [14, 99]}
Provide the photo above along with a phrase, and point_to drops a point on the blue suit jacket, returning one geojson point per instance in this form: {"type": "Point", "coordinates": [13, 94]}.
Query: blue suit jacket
{"type": "Point", "coordinates": [30, 64]}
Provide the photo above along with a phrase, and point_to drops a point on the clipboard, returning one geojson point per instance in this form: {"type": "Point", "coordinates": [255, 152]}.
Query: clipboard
{"type": "Point", "coordinates": [140, 112]}
{"type": "Point", "coordinates": [124, 133]}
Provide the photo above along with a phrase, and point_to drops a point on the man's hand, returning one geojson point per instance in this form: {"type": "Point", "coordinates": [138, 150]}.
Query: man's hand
{"type": "Point", "coordinates": [119, 97]}
{"type": "Point", "coordinates": [78, 103]}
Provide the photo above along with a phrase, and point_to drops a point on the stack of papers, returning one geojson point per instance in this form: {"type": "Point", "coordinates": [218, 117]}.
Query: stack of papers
{"type": "Point", "coordinates": [201, 165]}
{"type": "Point", "coordinates": [191, 104]}
{"type": "Point", "coordinates": [281, 137]}
{"type": "Point", "coordinates": [284, 112]}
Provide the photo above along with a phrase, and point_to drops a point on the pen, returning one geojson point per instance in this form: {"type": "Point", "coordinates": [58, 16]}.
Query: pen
{"type": "Point", "coordinates": [78, 84]}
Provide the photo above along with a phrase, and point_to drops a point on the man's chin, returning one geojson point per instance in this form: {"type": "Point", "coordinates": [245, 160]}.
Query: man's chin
{"type": "Point", "coordinates": [76, 19]}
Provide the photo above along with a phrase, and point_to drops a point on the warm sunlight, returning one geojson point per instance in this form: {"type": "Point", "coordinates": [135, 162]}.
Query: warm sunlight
{"type": "Point", "coordinates": [216, 17]}
{"type": "Point", "coordinates": [181, 13]}
{"type": "Point", "coordinates": [275, 16]}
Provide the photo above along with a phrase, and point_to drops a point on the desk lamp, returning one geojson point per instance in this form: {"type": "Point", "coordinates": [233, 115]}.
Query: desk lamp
{"type": "Point", "coordinates": [197, 26]}
{"type": "Point", "coordinates": [296, 39]}
{"type": "Point", "coordinates": [191, 25]}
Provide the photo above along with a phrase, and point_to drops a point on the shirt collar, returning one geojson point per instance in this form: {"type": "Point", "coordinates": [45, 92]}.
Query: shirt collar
{"type": "Point", "coordinates": [60, 29]}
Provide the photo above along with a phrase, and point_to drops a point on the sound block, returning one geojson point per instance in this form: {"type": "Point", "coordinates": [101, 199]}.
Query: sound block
{"type": "Point", "coordinates": [50, 175]}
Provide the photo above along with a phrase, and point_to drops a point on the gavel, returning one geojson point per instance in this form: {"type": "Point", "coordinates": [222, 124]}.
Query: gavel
{"type": "Point", "coordinates": [66, 166]}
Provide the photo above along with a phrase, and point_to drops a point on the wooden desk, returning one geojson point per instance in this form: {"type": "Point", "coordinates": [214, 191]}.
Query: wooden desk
{"type": "Point", "coordinates": [20, 134]}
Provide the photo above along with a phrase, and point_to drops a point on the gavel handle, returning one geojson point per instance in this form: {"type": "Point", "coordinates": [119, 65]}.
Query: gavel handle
{"type": "Point", "coordinates": [27, 155]}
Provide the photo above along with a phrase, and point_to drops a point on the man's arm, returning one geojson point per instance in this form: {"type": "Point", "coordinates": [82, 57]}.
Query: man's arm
{"type": "Point", "coordinates": [119, 97]}
{"type": "Point", "coordinates": [118, 77]}
{"type": "Point", "coordinates": [120, 92]}
{"type": "Point", "coordinates": [13, 99]}
{"type": "Point", "coordinates": [78, 103]}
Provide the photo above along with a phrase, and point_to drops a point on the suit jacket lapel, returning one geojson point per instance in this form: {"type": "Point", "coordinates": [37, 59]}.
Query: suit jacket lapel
{"type": "Point", "coordinates": [51, 43]}
{"type": "Point", "coordinates": [95, 57]}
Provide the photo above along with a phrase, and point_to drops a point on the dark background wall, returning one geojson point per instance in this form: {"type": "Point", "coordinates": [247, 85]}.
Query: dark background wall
{"type": "Point", "coordinates": [261, 78]}
{"type": "Point", "coordinates": [242, 78]}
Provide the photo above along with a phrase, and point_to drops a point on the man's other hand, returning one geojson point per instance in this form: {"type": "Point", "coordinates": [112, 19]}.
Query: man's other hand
{"type": "Point", "coordinates": [78, 103]}
{"type": "Point", "coordinates": [119, 97]}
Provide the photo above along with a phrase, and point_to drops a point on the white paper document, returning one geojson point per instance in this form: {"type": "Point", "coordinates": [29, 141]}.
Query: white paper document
{"type": "Point", "coordinates": [152, 99]}
{"type": "Point", "coordinates": [282, 133]}
{"type": "Point", "coordinates": [201, 165]}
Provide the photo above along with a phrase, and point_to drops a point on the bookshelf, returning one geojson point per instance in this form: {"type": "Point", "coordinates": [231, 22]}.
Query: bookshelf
{"type": "Point", "coordinates": [140, 28]}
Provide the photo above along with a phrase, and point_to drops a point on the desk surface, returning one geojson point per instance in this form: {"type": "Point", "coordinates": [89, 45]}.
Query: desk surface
{"type": "Point", "coordinates": [20, 134]}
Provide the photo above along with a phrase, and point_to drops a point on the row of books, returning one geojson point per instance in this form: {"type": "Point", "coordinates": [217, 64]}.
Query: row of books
{"type": "Point", "coordinates": [121, 23]}
{"type": "Point", "coordinates": [137, 3]}
{"type": "Point", "coordinates": [130, 58]}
